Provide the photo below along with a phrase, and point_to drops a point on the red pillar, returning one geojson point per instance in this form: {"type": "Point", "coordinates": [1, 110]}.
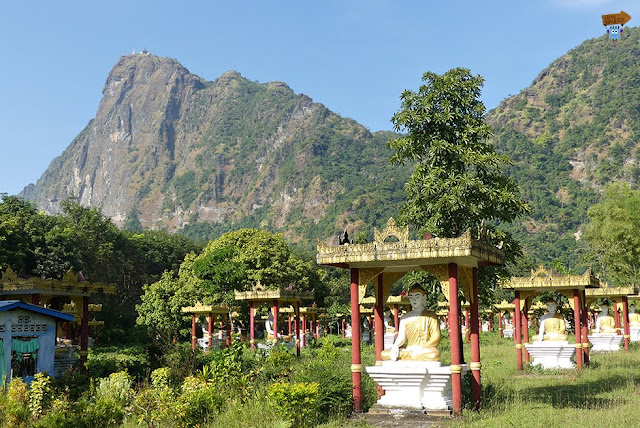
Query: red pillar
{"type": "Point", "coordinates": [578, 327]}
{"type": "Point", "coordinates": [229, 338]}
{"type": "Point", "coordinates": [396, 321]}
{"type": "Point", "coordinates": [35, 299]}
{"type": "Point", "coordinates": [524, 326]}
{"type": "Point", "coordinates": [378, 321]}
{"type": "Point", "coordinates": [500, 324]}
{"type": "Point", "coordinates": [617, 316]}
{"type": "Point", "coordinates": [84, 331]}
{"type": "Point", "coordinates": [275, 321]}
{"type": "Point", "coordinates": [466, 325]}
{"type": "Point", "coordinates": [210, 328]}
{"type": "Point", "coordinates": [585, 330]}
{"type": "Point", "coordinates": [518, 333]}
{"type": "Point", "coordinates": [356, 362]}
{"type": "Point", "coordinates": [303, 337]}
{"type": "Point", "coordinates": [67, 330]}
{"type": "Point", "coordinates": [193, 332]}
{"type": "Point", "coordinates": [625, 318]}
{"type": "Point", "coordinates": [476, 385]}
{"type": "Point", "coordinates": [454, 323]}
{"type": "Point", "coordinates": [315, 326]}
{"type": "Point", "coordinates": [296, 306]}
{"type": "Point", "coordinates": [289, 325]}
{"type": "Point", "coordinates": [252, 326]}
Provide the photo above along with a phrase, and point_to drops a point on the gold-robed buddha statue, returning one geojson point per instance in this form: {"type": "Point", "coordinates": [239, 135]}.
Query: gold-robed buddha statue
{"type": "Point", "coordinates": [605, 323]}
{"type": "Point", "coordinates": [419, 329]}
{"type": "Point", "coordinates": [634, 318]}
{"type": "Point", "coordinates": [552, 325]}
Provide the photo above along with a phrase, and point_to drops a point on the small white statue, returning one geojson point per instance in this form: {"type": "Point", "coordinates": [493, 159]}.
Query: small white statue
{"type": "Point", "coordinates": [634, 318]}
{"type": "Point", "coordinates": [387, 324]}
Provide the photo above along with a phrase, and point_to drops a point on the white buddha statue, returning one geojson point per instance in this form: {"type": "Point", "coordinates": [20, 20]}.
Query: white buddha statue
{"type": "Point", "coordinates": [419, 329]}
{"type": "Point", "coordinates": [605, 323]}
{"type": "Point", "coordinates": [388, 328]}
{"type": "Point", "coordinates": [634, 318]}
{"type": "Point", "coordinates": [552, 324]}
{"type": "Point", "coordinates": [268, 326]}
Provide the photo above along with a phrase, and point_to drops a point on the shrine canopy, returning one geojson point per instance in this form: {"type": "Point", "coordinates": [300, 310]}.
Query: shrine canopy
{"type": "Point", "coordinates": [71, 284]}
{"type": "Point", "coordinates": [613, 293]}
{"type": "Point", "coordinates": [394, 259]}
{"type": "Point", "coordinates": [258, 294]}
{"type": "Point", "coordinates": [542, 280]}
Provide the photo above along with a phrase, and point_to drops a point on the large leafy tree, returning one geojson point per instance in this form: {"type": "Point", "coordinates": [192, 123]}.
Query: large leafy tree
{"type": "Point", "coordinates": [457, 181]}
{"type": "Point", "coordinates": [612, 235]}
{"type": "Point", "coordinates": [235, 261]}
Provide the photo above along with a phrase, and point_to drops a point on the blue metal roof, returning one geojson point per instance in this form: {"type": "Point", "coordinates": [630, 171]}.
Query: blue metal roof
{"type": "Point", "coordinates": [8, 305]}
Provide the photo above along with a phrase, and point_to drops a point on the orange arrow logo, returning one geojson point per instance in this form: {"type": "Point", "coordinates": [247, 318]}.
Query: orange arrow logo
{"type": "Point", "coordinates": [616, 18]}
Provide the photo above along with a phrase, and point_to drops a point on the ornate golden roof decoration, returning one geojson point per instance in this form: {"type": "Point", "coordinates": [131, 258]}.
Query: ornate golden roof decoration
{"type": "Point", "coordinates": [392, 229]}
{"type": "Point", "coordinates": [9, 276]}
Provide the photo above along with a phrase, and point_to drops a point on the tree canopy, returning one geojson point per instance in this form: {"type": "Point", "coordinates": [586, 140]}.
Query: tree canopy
{"type": "Point", "coordinates": [457, 181]}
{"type": "Point", "coordinates": [235, 261]}
{"type": "Point", "coordinates": [612, 235]}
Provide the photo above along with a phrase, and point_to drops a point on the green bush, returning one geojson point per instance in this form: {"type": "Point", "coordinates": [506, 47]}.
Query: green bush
{"type": "Point", "coordinates": [199, 405]}
{"type": "Point", "coordinates": [161, 378]}
{"type": "Point", "coordinates": [17, 409]}
{"type": "Point", "coordinates": [41, 394]}
{"type": "Point", "coordinates": [296, 402]}
{"type": "Point", "coordinates": [104, 361]}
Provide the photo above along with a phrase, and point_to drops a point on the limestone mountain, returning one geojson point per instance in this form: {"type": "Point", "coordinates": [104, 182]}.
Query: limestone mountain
{"type": "Point", "coordinates": [572, 132]}
{"type": "Point", "coordinates": [168, 149]}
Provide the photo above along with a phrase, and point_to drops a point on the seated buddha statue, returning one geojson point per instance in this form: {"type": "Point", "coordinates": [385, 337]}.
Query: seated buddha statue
{"type": "Point", "coordinates": [552, 324]}
{"type": "Point", "coordinates": [419, 329]}
{"type": "Point", "coordinates": [605, 323]}
{"type": "Point", "coordinates": [388, 328]}
{"type": "Point", "coordinates": [268, 326]}
{"type": "Point", "coordinates": [634, 319]}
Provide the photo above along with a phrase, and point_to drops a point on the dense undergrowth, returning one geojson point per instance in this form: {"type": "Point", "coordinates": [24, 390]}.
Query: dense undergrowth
{"type": "Point", "coordinates": [223, 388]}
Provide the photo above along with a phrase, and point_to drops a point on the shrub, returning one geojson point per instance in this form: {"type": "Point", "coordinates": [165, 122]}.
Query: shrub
{"type": "Point", "coordinates": [161, 378]}
{"type": "Point", "coordinates": [199, 404]}
{"type": "Point", "coordinates": [296, 402]}
{"type": "Point", "coordinates": [116, 389]}
{"type": "Point", "coordinates": [41, 394]}
{"type": "Point", "coordinates": [17, 404]}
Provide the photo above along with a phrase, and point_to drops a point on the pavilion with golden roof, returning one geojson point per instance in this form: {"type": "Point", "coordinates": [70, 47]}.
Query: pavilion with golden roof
{"type": "Point", "coordinates": [71, 293]}
{"type": "Point", "coordinates": [571, 286]}
{"type": "Point", "coordinates": [453, 261]}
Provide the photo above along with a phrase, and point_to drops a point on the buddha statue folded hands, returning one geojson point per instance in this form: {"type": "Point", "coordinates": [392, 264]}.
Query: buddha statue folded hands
{"type": "Point", "coordinates": [419, 329]}
{"type": "Point", "coordinates": [634, 318]}
{"type": "Point", "coordinates": [605, 323]}
{"type": "Point", "coordinates": [552, 325]}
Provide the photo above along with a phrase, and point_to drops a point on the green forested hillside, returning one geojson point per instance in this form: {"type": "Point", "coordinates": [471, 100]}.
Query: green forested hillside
{"type": "Point", "coordinates": [572, 132]}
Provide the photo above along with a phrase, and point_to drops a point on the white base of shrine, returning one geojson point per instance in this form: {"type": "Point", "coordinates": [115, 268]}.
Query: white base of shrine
{"type": "Point", "coordinates": [552, 355]}
{"type": "Point", "coordinates": [605, 342]}
{"type": "Point", "coordinates": [507, 332]}
{"type": "Point", "coordinates": [419, 385]}
{"type": "Point", "coordinates": [635, 334]}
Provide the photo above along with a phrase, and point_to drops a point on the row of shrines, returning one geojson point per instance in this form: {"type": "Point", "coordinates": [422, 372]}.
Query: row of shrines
{"type": "Point", "coordinates": [454, 262]}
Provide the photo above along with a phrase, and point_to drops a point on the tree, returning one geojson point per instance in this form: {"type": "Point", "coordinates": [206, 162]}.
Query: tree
{"type": "Point", "coordinates": [457, 182]}
{"type": "Point", "coordinates": [612, 237]}
{"type": "Point", "coordinates": [235, 261]}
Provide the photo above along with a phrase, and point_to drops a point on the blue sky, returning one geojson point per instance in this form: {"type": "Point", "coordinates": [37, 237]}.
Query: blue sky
{"type": "Point", "coordinates": [355, 56]}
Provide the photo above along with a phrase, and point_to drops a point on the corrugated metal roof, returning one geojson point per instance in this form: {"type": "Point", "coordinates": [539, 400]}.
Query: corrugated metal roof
{"type": "Point", "coordinates": [8, 305]}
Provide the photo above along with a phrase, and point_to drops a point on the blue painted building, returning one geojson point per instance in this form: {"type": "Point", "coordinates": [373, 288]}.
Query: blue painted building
{"type": "Point", "coordinates": [27, 339]}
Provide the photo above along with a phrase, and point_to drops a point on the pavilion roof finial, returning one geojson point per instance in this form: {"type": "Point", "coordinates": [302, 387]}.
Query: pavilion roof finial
{"type": "Point", "coordinates": [391, 229]}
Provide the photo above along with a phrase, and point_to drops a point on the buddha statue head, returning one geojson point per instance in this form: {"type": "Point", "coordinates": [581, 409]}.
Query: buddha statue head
{"type": "Point", "coordinates": [632, 309]}
{"type": "Point", "coordinates": [604, 310]}
{"type": "Point", "coordinates": [417, 298]}
{"type": "Point", "coordinates": [552, 306]}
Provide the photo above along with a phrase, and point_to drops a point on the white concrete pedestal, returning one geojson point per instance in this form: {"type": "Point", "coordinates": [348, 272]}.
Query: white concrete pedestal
{"type": "Point", "coordinates": [414, 385]}
{"type": "Point", "coordinates": [507, 332]}
{"type": "Point", "coordinates": [552, 354]}
{"type": "Point", "coordinates": [635, 334]}
{"type": "Point", "coordinates": [605, 342]}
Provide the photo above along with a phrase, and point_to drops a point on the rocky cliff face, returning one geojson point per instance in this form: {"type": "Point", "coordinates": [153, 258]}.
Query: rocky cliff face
{"type": "Point", "coordinates": [169, 149]}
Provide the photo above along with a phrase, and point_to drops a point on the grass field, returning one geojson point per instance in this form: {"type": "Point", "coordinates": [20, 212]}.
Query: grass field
{"type": "Point", "coordinates": [606, 394]}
